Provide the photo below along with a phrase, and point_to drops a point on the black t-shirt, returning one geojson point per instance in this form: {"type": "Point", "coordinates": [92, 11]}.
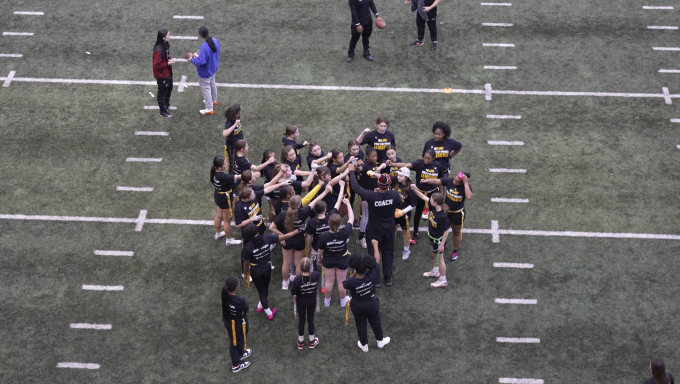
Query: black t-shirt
{"type": "Point", "coordinates": [259, 255]}
{"type": "Point", "coordinates": [299, 223]}
{"type": "Point", "coordinates": [381, 206]}
{"type": "Point", "coordinates": [294, 144]}
{"type": "Point", "coordinates": [316, 227]}
{"type": "Point", "coordinates": [394, 172]}
{"type": "Point", "coordinates": [334, 245]}
{"type": "Point", "coordinates": [380, 142]}
{"type": "Point", "coordinates": [224, 182]}
{"type": "Point", "coordinates": [443, 150]}
{"type": "Point", "coordinates": [407, 201]}
{"type": "Point", "coordinates": [247, 209]}
{"type": "Point", "coordinates": [438, 223]}
{"type": "Point", "coordinates": [455, 194]}
{"type": "Point", "coordinates": [426, 171]}
{"type": "Point", "coordinates": [241, 164]}
{"type": "Point", "coordinates": [369, 182]}
{"type": "Point", "coordinates": [311, 158]}
{"type": "Point", "coordinates": [305, 286]}
{"type": "Point", "coordinates": [334, 173]}
{"type": "Point", "coordinates": [360, 289]}
{"type": "Point", "coordinates": [651, 381]}
{"type": "Point", "coordinates": [294, 166]}
{"type": "Point", "coordinates": [359, 156]}
{"type": "Point", "coordinates": [361, 11]}
{"type": "Point", "coordinates": [234, 307]}
{"type": "Point", "coordinates": [235, 135]}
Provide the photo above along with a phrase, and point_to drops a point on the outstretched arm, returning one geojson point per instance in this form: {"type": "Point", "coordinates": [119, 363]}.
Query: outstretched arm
{"type": "Point", "coordinates": [418, 193]}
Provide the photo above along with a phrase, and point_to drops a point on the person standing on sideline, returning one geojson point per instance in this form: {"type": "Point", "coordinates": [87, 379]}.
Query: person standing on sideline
{"type": "Point", "coordinates": [659, 374]}
{"type": "Point", "coordinates": [207, 62]}
{"type": "Point", "coordinates": [234, 315]}
{"type": "Point", "coordinates": [426, 13]}
{"type": "Point", "coordinates": [382, 205]}
{"type": "Point", "coordinates": [162, 71]}
{"type": "Point", "coordinates": [362, 26]}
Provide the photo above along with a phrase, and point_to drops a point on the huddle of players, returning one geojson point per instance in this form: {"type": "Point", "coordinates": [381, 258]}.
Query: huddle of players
{"type": "Point", "coordinates": [387, 196]}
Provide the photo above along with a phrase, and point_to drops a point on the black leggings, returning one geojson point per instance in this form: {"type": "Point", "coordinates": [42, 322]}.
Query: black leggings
{"type": "Point", "coordinates": [262, 276]}
{"type": "Point", "coordinates": [367, 310]}
{"type": "Point", "coordinates": [420, 205]}
{"type": "Point", "coordinates": [306, 307]}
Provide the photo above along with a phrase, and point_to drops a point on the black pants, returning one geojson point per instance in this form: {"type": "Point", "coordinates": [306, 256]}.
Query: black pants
{"type": "Point", "coordinates": [431, 24]}
{"type": "Point", "coordinates": [230, 155]}
{"type": "Point", "coordinates": [363, 311]}
{"type": "Point", "coordinates": [164, 91]}
{"type": "Point", "coordinates": [368, 29]}
{"type": "Point", "coordinates": [306, 307]}
{"type": "Point", "coordinates": [386, 248]}
{"type": "Point", "coordinates": [237, 339]}
{"type": "Point", "coordinates": [420, 205]}
{"type": "Point", "coordinates": [262, 276]}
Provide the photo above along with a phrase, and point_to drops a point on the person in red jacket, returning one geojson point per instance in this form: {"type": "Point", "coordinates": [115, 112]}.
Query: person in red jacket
{"type": "Point", "coordinates": [162, 71]}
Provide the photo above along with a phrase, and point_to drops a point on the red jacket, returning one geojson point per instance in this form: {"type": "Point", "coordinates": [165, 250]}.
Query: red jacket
{"type": "Point", "coordinates": [161, 69]}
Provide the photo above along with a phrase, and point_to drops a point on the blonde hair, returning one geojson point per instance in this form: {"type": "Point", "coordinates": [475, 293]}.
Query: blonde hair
{"type": "Point", "coordinates": [294, 205]}
{"type": "Point", "coordinates": [334, 222]}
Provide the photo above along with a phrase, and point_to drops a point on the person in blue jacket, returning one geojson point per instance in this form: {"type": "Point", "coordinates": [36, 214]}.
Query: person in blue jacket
{"type": "Point", "coordinates": [207, 61]}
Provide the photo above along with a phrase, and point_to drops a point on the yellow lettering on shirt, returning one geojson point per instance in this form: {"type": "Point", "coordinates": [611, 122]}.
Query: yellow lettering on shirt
{"type": "Point", "coordinates": [430, 217]}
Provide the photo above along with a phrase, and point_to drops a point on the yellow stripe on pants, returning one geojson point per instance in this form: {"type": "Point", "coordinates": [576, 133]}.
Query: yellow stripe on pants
{"type": "Point", "coordinates": [233, 332]}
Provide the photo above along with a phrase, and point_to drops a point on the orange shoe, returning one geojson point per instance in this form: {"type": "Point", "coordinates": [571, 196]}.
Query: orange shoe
{"type": "Point", "coordinates": [214, 102]}
{"type": "Point", "coordinates": [206, 112]}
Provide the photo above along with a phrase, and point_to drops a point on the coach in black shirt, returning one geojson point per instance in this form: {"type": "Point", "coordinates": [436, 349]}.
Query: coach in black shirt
{"type": "Point", "coordinates": [362, 26]}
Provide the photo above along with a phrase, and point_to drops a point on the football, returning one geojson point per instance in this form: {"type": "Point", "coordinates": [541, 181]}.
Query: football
{"type": "Point", "coordinates": [188, 55]}
{"type": "Point", "coordinates": [380, 24]}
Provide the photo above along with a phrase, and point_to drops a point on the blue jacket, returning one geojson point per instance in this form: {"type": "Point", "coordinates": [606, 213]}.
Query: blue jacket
{"type": "Point", "coordinates": [207, 61]}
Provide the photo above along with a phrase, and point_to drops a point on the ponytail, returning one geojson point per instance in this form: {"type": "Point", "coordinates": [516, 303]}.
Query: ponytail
{"type": "Point", "coordinates": [203, 31]}
{"type": "Point", "coordinates": [246, 177]}
{"type": "Point", "coordinates": [294, 205]}
{"type": "Point", "coordinates": [438, 198]}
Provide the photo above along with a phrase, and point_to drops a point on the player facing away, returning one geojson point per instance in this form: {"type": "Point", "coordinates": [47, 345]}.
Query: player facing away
{"type": "Point", "coordinates": [437, 230]}
{"type": "Point", "coordinates": [234, 315]}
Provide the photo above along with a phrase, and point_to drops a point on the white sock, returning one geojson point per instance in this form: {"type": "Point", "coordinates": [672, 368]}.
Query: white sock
{"type": "Point", "coordinates": [292, 277]}
{"type": "Point", "coordinates": [407, 249]}
{"type": "Point", "coordinates": [442, 278]}
{"type": "Point", "coordinates": [435, 270]}
{"type": "Point", "coordinates": [311, 338]}
{"type": "Point", "coordinates": [268, 311]}
{"type": "Point", "coordinates": [259, 304]}
{"type": "Point", "coordinates": [302, 339]}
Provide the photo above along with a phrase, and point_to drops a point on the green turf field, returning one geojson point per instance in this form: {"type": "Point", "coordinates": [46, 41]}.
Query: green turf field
{"type": "Point", "coordinates": [605, 307]}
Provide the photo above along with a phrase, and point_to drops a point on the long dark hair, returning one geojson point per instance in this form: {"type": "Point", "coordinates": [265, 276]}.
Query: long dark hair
{"type": "Point", "coordinates": [159, 39]}
{"type": "Point", "coordinates": [250, 231]}
{"type": "Point", "coordinates": [232, 112]}
{"type": "Point", "coordinates": [284, 191]}
{"type": "Point", "coordinates": [203, 31]}
{"type": "Point", "coordinates": [265, 155]}
{"type": "Point", "coordinates": [246, 177]}
{"type": "Point", "coordinates": [218, 162]}
{"type": "Point", "coordinates": [659, 372]}
{"type": "Point", "coordinates": [361, 263]}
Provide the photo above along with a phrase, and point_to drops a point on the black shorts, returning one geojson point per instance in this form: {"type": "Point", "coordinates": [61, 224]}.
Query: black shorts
{"type": "Point", "coordinates": [456, 218]}
{"type": "Point", "coordinates": [297, 243]}
{"type": "Point", "coordinates": [341, 263]}
{"type": "Point", "coordinates": [434, 244]}
{"type": "Point", "coordinates": [222, 202]}
{"type": "Point", "coordinates": [401, 221]}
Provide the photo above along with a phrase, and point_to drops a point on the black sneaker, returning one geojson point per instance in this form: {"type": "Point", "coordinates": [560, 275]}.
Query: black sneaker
{"type": "Point", "coordinates": [367, 56]}
{"type": "Point", "coordinates": [356, 224]}
{"type": "Point", "coordinates": [434, 46]}
{"type": "Point", "coordinates": [240, 367]}
{"type": "Point", "coordinates": [388, 281]}
{"type": "Point", "coordinates": [246, 354]}
{"type": "Point", "coordinates": [377, 285]}
{"type": "Point", "coordinates": [417, 43]}
{"type": "Point", "coordinates": [166, 115]}
{"type": "Point", "coordinates": [350, 58]}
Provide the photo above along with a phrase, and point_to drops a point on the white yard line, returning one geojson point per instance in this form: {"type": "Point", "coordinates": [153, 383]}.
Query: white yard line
{"type": "Point", "coordinates": [78, 365]}
{"type": "Point", "coordinates": [172, 108]}
{"type": "Point", "coordinates": [188, 17]}
{"type": "Point", "coordinates": [151, 133]}
{"type": "Point", "coordinates": [8, 79]}
{"type": "Point", "coordinates": [90, 326]}
{"type": "Point", "coordinates": [656, 7]}
{"type": "Point", "coordinates": [173, 37]}
{"type": "Point", "coordinates": [507, 170]}
{"type": "Point", "coordinates": [508, 200]}
{"type": "Point", "coordinates": [667, 96]}
{"type": "Point", "coordinates": [675, 120]}
{"type": "Point", "coordinates": [497, 24]}
{"type": "Point", "coordinates": [134, 189]}
{"type": "Point", "coordinates": [498, 4]}
{"type": "Point", "coordinates": [499, 67]}
{"type": "Point", "coordinates": [677, 146]}
{"type": "Point", "coordinates": [513, 117]}
{"type": "Point", "coordinates": [144, 159]}
{"type": "Point", "coordinates": [498, 45]}
{"type": "Point", "coordinates": [520, 340]}
{"type": "Point", "coordinates": [183, 83]}
{"type": "Point", "coordinates": [102, 287]}
{"type": "Point", "coordinates": [517, 301]}
{"type": "Point", "coordinates": [513, 265]}
{"type": "Point", "coordinates": [100, 252]}
{"type": "Point", "coordinates": [669, 70]}
{"type": "Point", "coordinates": [666, 48]}
{"type": "Point", "coordinates": [492, 142]}
{"type": "Point", "coordinates": [670, 27]}
{"type": "Point", "coordinates": [11, 55]}
{"type": "Point", "coordinates": [17, 33]}
{"type": "Point", "coordinates": [512, 380]}
{"type": "Point", "coordinates": [29, 13]}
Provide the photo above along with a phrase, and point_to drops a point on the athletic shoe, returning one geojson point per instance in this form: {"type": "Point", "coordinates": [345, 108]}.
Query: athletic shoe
{"type": "Point", "coordinates": [414, 239]}
{"type": "Point", "coordinates": [362, 242]}
{"type": "Point", "coordinates": [388, 281]}
{"type": "Point", "coordinates": [219, 235]}
{"type": "Point", "coordinates": [301, 344]}
{"type": "Point", "coordinates": [405, 255]}
{"type": "Point", "coordinates": [313, 344]}
{"type": "Point", "coordinates": [383, 342]}
{"type": "Point", "coordinates": [350, 58]}
{"type": "Point", "coordinates": [260, 309]}
{"type": "Point", "coordinates": [240, 367]}
{"type": "Point", "coordinates": [439, 284]}
{"type": "Point", "coordinates": [271, 247]}
{"type": "Point", "coordinates": [284, 285]}
{"type": "Point", "coordinates": [343, 302]}
{"type": "Point", "coordinates": [249, 277]}
{"type": "Point", "coordinates": [417, 43]}
{"type": "Point", "coordinates": [166, 115]}
{"type": "Point", "coordinates": [206, 112]}
{"type": "Point", "coordinates": [454, 256]}
{"type": "Point", "coordinates": [214, 102]}
{"type": "Point", "coordinates": [363, 347]}
{"type": "Point", "coordinates": [434, 46]}
{"type": "Point", "coordinates": [425, 212]}
{"type": "Point", "coordinates": [356, 224]}
{"type": "Point", "coordinates": [247, 354]}
{"type": "Point", "coordinates": [367, 56]}
{"type": "Point", "coordinates": [323, 290]}
{"type": "Point", "coordinates": [232, 241]}
{"type": "Point", "coordinates": [271, 317]}
{"type": "Point", "coordinates": [377, 285]}
{"type": "Point", "coordinates": [431, 274]}
{"type": "Point", "coordinates": [273, 267]}
{"type": "Point", "coordinates": [327, 302]}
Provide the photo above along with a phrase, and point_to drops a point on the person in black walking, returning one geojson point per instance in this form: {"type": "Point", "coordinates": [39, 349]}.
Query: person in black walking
{"type": "Point", "coordinates": [362, 26]}
{"type": "Point", "coordinates": [304, 290]}
{"type": "Point", "coordinates": [234, 315]}
{"type": "Point", "coordinates": [162, 71]}
{"type": "Point", "coordinates": [382, 205]}
{"type": "Point", "coordinates": [426, 12]}
{"type": "Point", "coordinates": [364, 305]}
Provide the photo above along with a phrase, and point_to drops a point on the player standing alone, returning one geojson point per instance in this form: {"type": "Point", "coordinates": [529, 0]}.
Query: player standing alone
{"type": "Point", "coordinates": [362, 26]}
{"type": "Point", "coordinates": [426, 13]}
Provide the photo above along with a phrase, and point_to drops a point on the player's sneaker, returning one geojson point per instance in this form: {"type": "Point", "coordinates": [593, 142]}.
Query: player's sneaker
{"type": "Point", "coordinates": [431, 273]}
{"type": "Point", "coordinates": [405, 255]}
{"type": "Point", "coordinates": [383, 342]}
{"type": "Point", "coordinates": [215, 102]}
{"type": "Point", "coordinates": [425, 212]}
{"type": "Point", "coordinates": [206, 112]}
{"type": "Point", "coordinates": [284, 285]}
{"type": "Point", "coordinates": [363, 347]}
{"type": "Point", "coordinates": [240, 367]}
{"type": "Point", "coordinates": [219, 235]}
{"type": "Point", "coordinates": [271, 317]}
{"type": "Point", "coordinates": [439, 284]}
{"type": "Point", "coordinates": [434, 46]}
{"type": "Point", "coordinates": [417, 43]}
{"type": "Point", "coordinates": [247, 354]}
{"type": "Point", "coordinates": [454, 256]}
{"type": "Point", "coordinates": [362, 242]}
{"type": "Point", "coordinates": [232, 241]}
{"type": "Point", "coordinates": [327, 302]}
{"type": "Point", "coordinates": [313, 344]}
{"type": "Point", "coordinates": [301, 344]}
{"type": "Point", "coordinates": [414, 239]}
{"type": "Point", "coordinates": [343, 302]}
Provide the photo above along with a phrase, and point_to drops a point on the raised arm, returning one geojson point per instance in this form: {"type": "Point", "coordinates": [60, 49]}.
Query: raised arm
{"type": "Point", "coordinates": [337, 178]}
{"type": "Point", "coordinates": [363, 133]}
{"type": "Point", "coordinates": [350, 212]}
{"type": "Point", "coordinates": [229, 130]}
{"type": "Point", "coordinates": [391, 163]}
{"type": "Point", "coordinates": [275, 180]}
{"type": "Point", "coordinates": [418, 193]}
{"type": "Point", "coordinates": [260, 167]}
{"type": "Point", "coordinates": [323, 194]}
{"type": "Point", "coordinates": [468, 191]}
{"type": "Point", "coordinates": [272, 188]}
{"type": "Point", "coordinates": [355, 184]}
{"type": "Point", "coordinates": [432, 181]}
{"type": "Point", "coordinates": [308, 182]}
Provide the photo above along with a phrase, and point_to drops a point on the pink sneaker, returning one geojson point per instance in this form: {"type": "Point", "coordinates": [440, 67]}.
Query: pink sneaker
{"type": "Point", "coordinates": [271, 317]}
{"type": "Point", "coordinates": [260, 309]}
{"type": "Point", "coordinates": [314, 343]}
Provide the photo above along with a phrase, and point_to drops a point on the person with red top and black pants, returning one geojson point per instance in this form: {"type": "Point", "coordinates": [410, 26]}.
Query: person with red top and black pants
{"type": "Point", "coordinates": [362, 26]}
{"type": "Point", "coordinates": [162, 71]}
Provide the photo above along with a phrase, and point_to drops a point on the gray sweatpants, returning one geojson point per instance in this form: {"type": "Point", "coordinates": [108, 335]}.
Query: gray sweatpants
{"type": "Point", "coordinates": [209, 90]}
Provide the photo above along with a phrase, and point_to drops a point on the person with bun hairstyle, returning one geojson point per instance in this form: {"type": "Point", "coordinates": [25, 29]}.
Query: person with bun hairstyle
{"type": "Point", "coordinates": [232, 132]}
{"type": "Point", "coordinates": [162, 71]}
{"type": "Point", "coordinates": [257, 263]}
{"type": "Point", "coordinates": [364, 305]}
{"type": "Point", "coordinates": [235, 317]}
{"type": "Point", "coordinates": [457, 190]}
{"type": "Point", "coordinates": [207, 62]}
{"type": "Point", "coordinates": [437, 230]}
{"type": "Point", "coordinates": [241, 162]}
{"type": "Point", "coordinates": [305, 292]}
{"type": "Point", "coordinates": [659, 374]}
{"type": "Point", "coordinates": [408, 202]}
{"type": "Point", "coordinates": [379, 139]}
{"type": "Point", "coordinates": [333, 254]}
{"type": "Point", "coordinates": [223, 195]}
{"type": "Point", "coordinates": [393, 171]}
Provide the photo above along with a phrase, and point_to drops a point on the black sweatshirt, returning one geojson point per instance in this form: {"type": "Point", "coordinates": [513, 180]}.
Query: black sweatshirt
{"type": "Point", "coordinates": [381, 206]}
{"type": "Point", "coordinates": [361, 14]}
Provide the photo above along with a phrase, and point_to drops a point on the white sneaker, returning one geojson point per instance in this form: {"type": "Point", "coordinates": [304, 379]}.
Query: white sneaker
{"type": "Point", "coordinates": [363, 347]}
{"type": "Point", "coordinates": [219, 235]}
{"type": "Point", "coordinates": [440, 284]}
{"type": "Point", "coordinates": [405, 255]}
{"type": "Point", "coordinates": [343, 302]}
{"type": "Point", "coordinates": [249, 277]}
{"type": "Point", "coordinates": [291, 278]}
{"type": "Point", "coordinates": [273, 267]}
{"type": "Point", "coordinates": [206, 112]}
{"type": "Point", "coordinates": [271, 247]}
{"type": "Point", "coordinates": [383, 342]}
{"type": "Point", "coordinates": [284, 285]}
{"type": "Point", "coordinates": [431, 273]}
{"type": "Point", "coordinates": [362, 242]}
{"type": "Point", "coordinates": [232, 241]}
{"type": "Point", "coordinates": [326, 302]}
